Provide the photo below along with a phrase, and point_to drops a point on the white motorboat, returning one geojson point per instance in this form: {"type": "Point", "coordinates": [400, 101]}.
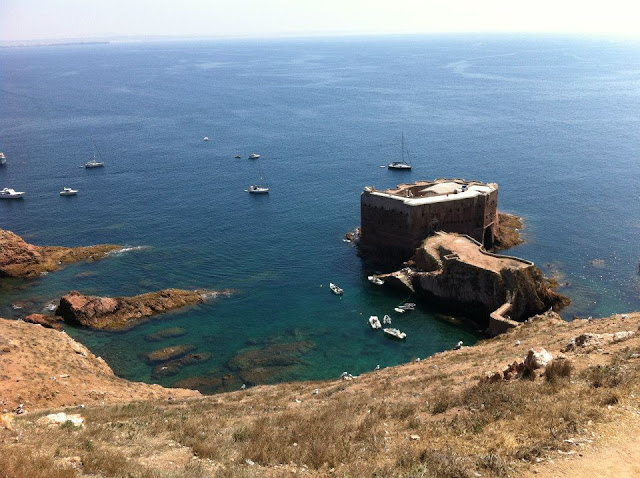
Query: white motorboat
{"type": "Point", "coordinates": [237, 156]}
{"type": "Point", "coordinates": [374, 322]}
{"type": "Point", "coordinates": [254, 156]}
{"type": "Point", "coordinates": [68, 192]}
{"type": "Point", "coordinates": [394, 333]}
{"type": "Point", "coordinates": [402, 164]}
{"type": "Point", "coordinates": [206, 138]}
{"type": "Point", "coordinates": [399, 310]}
{"type": "Point", "coordinates": [3, 158]}
{"type": "Point", "coordinates": [375, 280]}
{"type": "Point", "coordinates": [255, 189]}
{"type": "Point", "coordinates": [335, 289]}
{"type": "Point", "coordinates": [8, 193]}
{"type": "Point", "coordinates": [386, 320]}
{"type": "Point", "coordinates": [407, 306]}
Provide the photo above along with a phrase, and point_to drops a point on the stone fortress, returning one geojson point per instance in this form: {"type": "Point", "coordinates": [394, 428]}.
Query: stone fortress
{"type": "Point", "coordinates": [394, 222]}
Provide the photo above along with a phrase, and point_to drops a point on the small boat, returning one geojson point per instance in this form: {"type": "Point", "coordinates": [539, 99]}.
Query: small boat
{"type": "Point", "coordinates": [335, 289]}
{"type": "Point", "coordinates": [237, 156]}
{"type": "Point", "coordinates": [94, 163]}
{"type": "Point", "coordinates": [395, 333]}
{"type": "Point", "coordinates": [259, 188]}
{"type": "Point", "coordinates": [402, 164]}
{"type": "Point", "coordinates": [68, 192]}
{"type": "Point", "coordinates": [375, 280]}
{"type": "Point", "coordinates": [407, 306]}
{"type": "Point", "coordinates": [386, 320]}
{"type": "Point", "coordinates": [374, 322]}
{"type": "Point", "coordinates": [8, 193]}
{"type": "Point", "coordinates": [206, 138]}
{"type": "Point", "coordinates": [254, 156]}
{"type": "Point", "coordinates": [3, 158]}
{"type": "Point", "coordinates": [399, 310]}
{"type": "Point", "coordinates": [256, 189]}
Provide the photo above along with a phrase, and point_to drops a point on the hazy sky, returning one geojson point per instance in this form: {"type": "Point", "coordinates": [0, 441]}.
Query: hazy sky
{"type": "Point", "coordinates": [57, 19]}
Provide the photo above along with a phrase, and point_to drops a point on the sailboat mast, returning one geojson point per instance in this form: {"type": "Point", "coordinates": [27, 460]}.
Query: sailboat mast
{"type": "Point", "coordinates": [402, 152]}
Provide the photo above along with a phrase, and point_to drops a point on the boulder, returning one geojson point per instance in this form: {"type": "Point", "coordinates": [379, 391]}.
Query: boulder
{"type": "Point", "coordinates": [49, 321]}
{"type": "Point", "coordinates": [537, 359]}
{"type": "Point", "coordinates": [61, 418]}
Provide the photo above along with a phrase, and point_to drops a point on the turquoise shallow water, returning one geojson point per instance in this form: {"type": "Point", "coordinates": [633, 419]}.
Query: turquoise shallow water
{"type": "Point", "coordinates": [553, 120]}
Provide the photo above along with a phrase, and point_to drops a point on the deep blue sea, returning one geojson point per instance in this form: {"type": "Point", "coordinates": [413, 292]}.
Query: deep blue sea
{"type": "Point", "coordinates": [554, 120]}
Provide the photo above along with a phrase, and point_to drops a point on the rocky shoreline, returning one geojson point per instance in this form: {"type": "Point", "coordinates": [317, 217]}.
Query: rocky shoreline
{"type": "Point", "coordinates": [23, 260]}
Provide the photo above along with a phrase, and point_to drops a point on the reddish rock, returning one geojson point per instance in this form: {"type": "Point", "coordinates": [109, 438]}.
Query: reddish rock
{"type": "Point", "coordinates": [49, 321]}
{"type": "Point", "coordinates": [20, 259]}
{"type": "Point", "coordinates": [126, 312]}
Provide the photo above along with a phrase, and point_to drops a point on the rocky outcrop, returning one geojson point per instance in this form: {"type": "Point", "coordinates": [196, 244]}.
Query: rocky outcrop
{"type": "Point", "coordinates": [48, 321]}
{"type": "Point", "coordinates": [508, 232]}
{"type": "Point", "coordinates": [44, 368]}
{"type": "Point", "coordinates": [458, 271]}
{"type": "Point", "coordinates": [20, 259]}
{"type": "Point", "coordinates": [125, 312]}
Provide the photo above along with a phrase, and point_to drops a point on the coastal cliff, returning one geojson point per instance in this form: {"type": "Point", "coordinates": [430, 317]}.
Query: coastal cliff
{"type": "Point", "coordinates": [119, 313]}
{"type": "Point", "coordinates": [21, 259]}
{"type": "Point", "coordinates": [44, 368]}
{"type": "Point", "coordinates": [456, 269]}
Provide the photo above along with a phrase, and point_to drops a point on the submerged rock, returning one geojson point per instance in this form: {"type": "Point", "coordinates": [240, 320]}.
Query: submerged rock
{"type": "Point", "coordinates": [172, 367]}
{"type": "Point", "coordinates": [125, 312]}
{"type": "Point", "coordinates": [167, 333]}
{"type": "Point", "coordinates": [270, 364]}
{"type": "Point", "coordinates": [272, 356]}
{"type": "Point", "coordinates": [168, 353]}
{"type": "Point", "coordinates": [21, 259]}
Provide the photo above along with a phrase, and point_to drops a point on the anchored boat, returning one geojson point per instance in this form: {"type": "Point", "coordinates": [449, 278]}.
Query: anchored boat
{"type": "Point", "coordinates": [374, 322]}
{"type": "Point", "coordinates": [68, 192]}
{"type": "Point", "coordinates": [394, 333]}
{"type": "Point", "coordinates": [335, 289]}
{"type": "Point", "coordinates": [8, 193]}
{"type": "Point", "coordinates": [402, 164]}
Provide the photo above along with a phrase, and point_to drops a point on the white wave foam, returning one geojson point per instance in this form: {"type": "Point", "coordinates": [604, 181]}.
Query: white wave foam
{"type": "Point", "coordinates": [129, 249]}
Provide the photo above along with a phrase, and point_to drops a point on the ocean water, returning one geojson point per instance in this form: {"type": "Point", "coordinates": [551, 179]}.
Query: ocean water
{"type": "Point", "coordinates": [554, 120]}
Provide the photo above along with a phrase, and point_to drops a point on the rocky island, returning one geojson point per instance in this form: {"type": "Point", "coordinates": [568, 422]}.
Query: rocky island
{"type": "Point", "coordinates": [21, 259]}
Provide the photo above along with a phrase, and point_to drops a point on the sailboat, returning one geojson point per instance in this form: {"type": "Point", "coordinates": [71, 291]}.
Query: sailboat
{"type": "Point", "coordinates": [401, 164]}
{"type": "Point", "coordinates": [94, 163]}
{"type": "Point", "coordinates": [259, 188]}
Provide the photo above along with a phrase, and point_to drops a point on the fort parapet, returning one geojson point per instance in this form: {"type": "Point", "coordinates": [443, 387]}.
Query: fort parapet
{"type": "Point", "coordinates": [394, 222]}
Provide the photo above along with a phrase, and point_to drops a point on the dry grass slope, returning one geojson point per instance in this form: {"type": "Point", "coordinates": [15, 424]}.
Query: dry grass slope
{"type": "Point", "coordinates": [434, 418]}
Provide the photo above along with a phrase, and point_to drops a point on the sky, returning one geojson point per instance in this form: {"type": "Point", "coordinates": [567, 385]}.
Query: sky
{"type": "Point", "coordinates": [28, 20]}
